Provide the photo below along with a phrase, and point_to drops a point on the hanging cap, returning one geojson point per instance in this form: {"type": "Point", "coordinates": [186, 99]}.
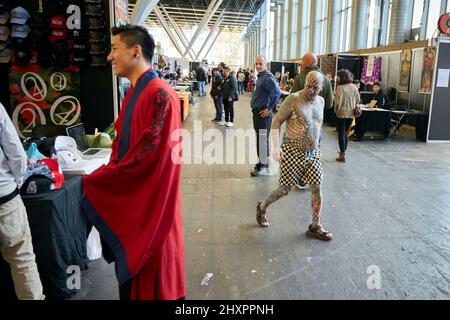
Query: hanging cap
{"type": "Point", "coordinates": [19, 15]}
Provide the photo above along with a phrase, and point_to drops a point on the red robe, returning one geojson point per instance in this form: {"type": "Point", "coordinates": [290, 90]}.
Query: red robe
{"type": "Point", "coordinates": [135, 200]}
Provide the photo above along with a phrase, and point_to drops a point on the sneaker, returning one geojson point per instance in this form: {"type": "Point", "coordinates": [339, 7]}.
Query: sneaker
{"type": "Point", "coordinates": [222, 123]}
{"type": "Point", "coordinates": [230, 124]}
{"type": "Point", "coordinates": [214, 120]}
{"type": "Point", "coordinates": [262, 171]}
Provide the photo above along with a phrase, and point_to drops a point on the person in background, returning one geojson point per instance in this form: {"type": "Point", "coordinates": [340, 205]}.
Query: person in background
{"type": "Point", "coordinates": [345, 102]}
{"type": "Point", "coordinates": [382, 101]}
{"type": "Point", "coordinates": [247, 79]}
{"type": "Point", "coordinates": [156, 68]}
{"type": "Point", "coordinates": [264, 100]}
{"type": "Point", "coordinates": [166, 73]}
{"type": "Point", "coordinates": [278, 77]}
{"type": "Point", "coordinates": [308, 64]}
{"type": "Point", "coordinates": [209, 75]}
{"type": "Point", "coordinates": [229, 94]}
{"type": "Point", "coordinates": [201, 77]}
{"type": "Point", "coordinates": [221, 65]}
{"type": "Point", "coordinates": [299, 154]}
{"type": "Point", "coordinates": [240, 80]}
{"type": "Point", "coordinates": [178, 72]}
{"type": "Point", "coordinates": [16, 247]}
{"type": "Point", "coordinates": [216, 94]}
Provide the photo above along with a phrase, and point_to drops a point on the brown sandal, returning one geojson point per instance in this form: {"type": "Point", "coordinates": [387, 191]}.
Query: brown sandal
{"type": "Point", "coordinates": [318, 232]}
{"type": "Point", "coordinates": [261, 217]}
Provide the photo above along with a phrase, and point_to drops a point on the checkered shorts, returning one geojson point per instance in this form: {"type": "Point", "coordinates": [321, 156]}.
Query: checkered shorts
{"type": "Point", "coordinates": [297, 165]}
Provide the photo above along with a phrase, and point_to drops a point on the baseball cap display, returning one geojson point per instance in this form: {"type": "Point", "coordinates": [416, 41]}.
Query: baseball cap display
{"type": "Point", "coordinates": [19, 15]}
{"type": "Point", "coordinates": [98, 61]}
{"type": "Point", "coordinates": [22, 56]}
{"type": "Point", "coordinates": [97, 48]}
{"type": "Point", "coordinates": [38, 34]}
{"type": "Point", "coordinates": [95, 23]}
{"type": "Point", "coordinates": [20, 31]}
{"type": "Point", "coordinates": [58, 34]}
{"type": "Point", "coordinates": [5, 55]}
{"type": "Point", "coordinates": [58, 22]}
{"type": "Point", "coordinates": [4, 17]}
{"type": "Point", "coordinates": [44, 53]}
{"type": "Point", "coordinates": [95, 10]}
{"type": "Point", "coordinates": [37, 20]}
{"type": "Point", "coordinates": [4, 7]}
{"type": "Point", "coordinates": [53, 7]}
{"type": "Point", "coordinates": [4, 33]}
{"type": "Point", "coordinates": [4, 44]}
{"type": "Point", "coordinates": [60, 53]}
{"type": "Point", "coordinates": [96, 36]}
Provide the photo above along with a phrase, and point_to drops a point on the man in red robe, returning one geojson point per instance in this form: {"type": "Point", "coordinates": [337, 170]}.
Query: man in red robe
{"type": "Point", "coordinates": [135, 200]}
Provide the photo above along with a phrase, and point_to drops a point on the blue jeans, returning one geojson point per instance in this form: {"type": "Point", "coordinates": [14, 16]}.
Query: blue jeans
{"type": "Point", "coordinates": [219, 108]}
{"type": "Point", "coordinates": [201, 88]}
{"type": "Point", "coordinates": [240, 87]}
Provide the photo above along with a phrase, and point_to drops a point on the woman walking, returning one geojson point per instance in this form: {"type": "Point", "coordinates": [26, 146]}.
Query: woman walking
{"type": "Point", "coordinates": [345, 102]}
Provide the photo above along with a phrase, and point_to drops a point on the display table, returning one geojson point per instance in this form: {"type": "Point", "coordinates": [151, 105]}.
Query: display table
{"type": "Point", "coordinates": [419, 120]}
{"type": "Point", "coordinates": [59, 230]}
{"type": "Point", "coordinates": [184, 103]}
{"type": "Point", "coordinates": [373, 120]}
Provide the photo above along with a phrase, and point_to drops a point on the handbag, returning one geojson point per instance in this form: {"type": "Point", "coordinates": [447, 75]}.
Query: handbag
{"type": "Point", "coordinates": [236, 96]}
{"type": "Point", "coordinates": [357, 112]}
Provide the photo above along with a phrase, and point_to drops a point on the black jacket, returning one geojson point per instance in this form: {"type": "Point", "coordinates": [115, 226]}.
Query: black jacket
{"type": "Point", "coordinates": [382, 100]}
{"type": "Point", "coordinates": [200, 74]}
{"type": "Point", "coordinates": [229, 87]}
{"type": "Point", "coordinates": [217, 86]}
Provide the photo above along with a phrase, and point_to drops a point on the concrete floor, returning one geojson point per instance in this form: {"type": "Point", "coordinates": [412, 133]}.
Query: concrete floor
{"type": "Point", "coordinates": [388, 208]}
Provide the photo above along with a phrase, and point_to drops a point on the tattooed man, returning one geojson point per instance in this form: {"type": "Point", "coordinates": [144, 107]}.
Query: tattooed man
{"type": "Point", "coordinates": [299, 154]}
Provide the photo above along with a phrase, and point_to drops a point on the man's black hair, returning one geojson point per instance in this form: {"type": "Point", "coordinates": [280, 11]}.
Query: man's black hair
{"type": "Point", "coordinates": [136, 35]}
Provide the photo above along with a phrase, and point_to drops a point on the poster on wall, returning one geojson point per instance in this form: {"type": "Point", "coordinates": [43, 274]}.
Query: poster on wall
{"type": "Point", "coordinates": [328, 65]}
{"type": "Point", "coordinates": [43, 96]}
{"type": "Point", "coordinates": [405, 70]}
{"type": "Point", "coordinates": [429, 58]}
{"type": "Point", "coordinates": [121, 11]}
{"type": "Point", "coordinates": [121, 18]}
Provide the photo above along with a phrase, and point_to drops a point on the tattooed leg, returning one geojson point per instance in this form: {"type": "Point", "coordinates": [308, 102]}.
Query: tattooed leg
{"type": "Point", "coordinates": [274, 196]}
{"type": "Point", "coordinates": [316, 203]}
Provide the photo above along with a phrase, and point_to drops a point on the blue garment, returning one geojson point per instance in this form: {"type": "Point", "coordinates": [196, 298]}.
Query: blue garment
{"type": "Point", "coordinates": [219, 108]}
{"type": "Point", "coordinates": [201, 89]}
{"type": "Point", "coordinates": [267, 92]}
{"type": "Point", "coordinates": [160, 74]}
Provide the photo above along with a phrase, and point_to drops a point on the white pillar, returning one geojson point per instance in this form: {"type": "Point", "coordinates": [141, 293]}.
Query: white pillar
{"type": "Point", "coordinates": [332, 26]}
{"type": "Point", "coordinates": [358, 35]}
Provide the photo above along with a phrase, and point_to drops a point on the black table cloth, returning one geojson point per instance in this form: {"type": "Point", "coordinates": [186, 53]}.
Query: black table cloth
{"type": "Point", "coordinates": [373, 121]}
{"type": "Point", "coordinates": [59, 230]}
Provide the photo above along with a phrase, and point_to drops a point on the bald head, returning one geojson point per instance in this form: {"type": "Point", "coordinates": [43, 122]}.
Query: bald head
{"type": "Point", "coordinates": [260, 63]}
{"type": "Point", "coordinates": [309, 59]}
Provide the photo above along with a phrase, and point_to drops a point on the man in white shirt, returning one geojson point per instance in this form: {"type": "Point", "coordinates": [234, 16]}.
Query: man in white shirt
{"type": "Point", "coordinates": [15, 237]}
